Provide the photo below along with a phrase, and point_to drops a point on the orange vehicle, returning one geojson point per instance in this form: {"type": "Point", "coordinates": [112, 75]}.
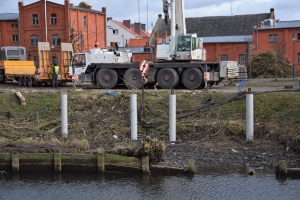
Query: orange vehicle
{"type": "Point", "coordinates": [15, 66]}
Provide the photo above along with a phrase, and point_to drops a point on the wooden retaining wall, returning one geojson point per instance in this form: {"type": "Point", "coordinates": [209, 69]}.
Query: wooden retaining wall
{"type": "Point", "coordinates": [83, 163]}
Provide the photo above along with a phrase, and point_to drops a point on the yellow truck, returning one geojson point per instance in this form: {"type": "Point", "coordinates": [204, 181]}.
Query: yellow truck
{"type": "Point", "coordinates": [15, 66]}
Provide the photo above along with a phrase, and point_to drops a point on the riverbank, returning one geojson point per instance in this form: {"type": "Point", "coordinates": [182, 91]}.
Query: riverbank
{"type": "Point", "coordinates": [99, 122]}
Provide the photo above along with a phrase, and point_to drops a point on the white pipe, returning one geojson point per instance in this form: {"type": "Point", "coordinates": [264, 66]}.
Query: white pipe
{"type": "Point", "coordinates": [133, 114]}
{"type": "Point", "coordinates": [172, 118]}
{"type": "Point", "coordinates": [249, 117]}
{"type": "Point", "coordinates": [46, 21]}
{"type": "Point", "coordinates": [173, 24]}
{"type": "Point", "coordinates": [64, 113]}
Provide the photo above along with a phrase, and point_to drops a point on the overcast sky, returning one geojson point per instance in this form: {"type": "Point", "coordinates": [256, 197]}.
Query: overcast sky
{"type": "Point", "coordinates": [146, 11]}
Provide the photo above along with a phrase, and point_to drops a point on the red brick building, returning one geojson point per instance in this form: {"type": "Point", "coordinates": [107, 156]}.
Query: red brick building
{"type": "Point", "coordinates": [279, 36]}
{"type": "Point", "coordinates": [9, 29]}
{"type": "Point", "coordinates": [45, 21]}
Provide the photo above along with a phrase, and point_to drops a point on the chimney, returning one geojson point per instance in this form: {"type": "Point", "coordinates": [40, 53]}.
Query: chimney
{"type": "Point", "coordinates": [109, 18]}
{"type": "Point", "coordinates": [127, 23]}
{"type": "Point", "coordinates": [89, 7]}
{"type": "Point", "coordinates": [272, 13]}
{"type": "Point", "coordinates": [143, 26]}
{"type": "Point", "coordinates": [159, 16]}
{"type": "Point", "coordinates": [137, 28]}
{"type": "Point", "coordinates": [104, 9]}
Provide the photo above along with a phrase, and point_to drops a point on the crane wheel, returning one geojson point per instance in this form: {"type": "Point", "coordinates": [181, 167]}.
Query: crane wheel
{"type": "Point", "coordinates": [192, 78]}
{"type": "Point", "coordinates": [107, 78]}
{"type": "Point", "coordinates": [167, 78]}
{"type": "Point", "coordinates": [133, 78]}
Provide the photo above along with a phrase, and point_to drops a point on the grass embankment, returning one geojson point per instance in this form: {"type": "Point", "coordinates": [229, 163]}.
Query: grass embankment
{"type": "Point", "coordinates": [99, 122]}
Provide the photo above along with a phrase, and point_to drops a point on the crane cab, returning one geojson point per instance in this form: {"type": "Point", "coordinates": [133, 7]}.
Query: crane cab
{"type": "Point", "coordinates": [189, 47]}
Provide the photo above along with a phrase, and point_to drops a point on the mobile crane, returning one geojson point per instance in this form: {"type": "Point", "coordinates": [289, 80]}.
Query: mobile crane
{"type": "Point", "coordinates": [179, 60]}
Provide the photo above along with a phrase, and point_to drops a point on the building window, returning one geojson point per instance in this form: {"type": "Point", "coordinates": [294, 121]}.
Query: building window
{"type": "Point", "coordinates": [242, 58]}
{"type": "Point", "coordinates": [55, 40]}
{"type": "Point", "coordinates": [34, 39]}
{"type": "Point", "coordinates": [83, 20]}
{"type": "Point", "coordinates": [35, 19]}
{"type": "Point", "coordinates": [115, 31]}
{"type": "Point", "coordinates": [273, 38]}
{"type": "Point", "coordinates": [224, 57]}
{"type": "Point", "coordinates": [15, 38]}
{"type": "Point", "coordinates": [36, 61]}
{"type": "Point", "coordinates": [53, 19]}
{"type": "Point", "coordinates": [298, 36]}
{"type": "Point", "coordinates": [298, 58]}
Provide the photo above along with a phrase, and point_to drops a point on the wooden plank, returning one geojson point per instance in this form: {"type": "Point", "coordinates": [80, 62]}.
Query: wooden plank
{"type": "Point", "coordinates": [101, 163]}
{"type": "Point", "coordinates": [37, 158]}
{"type": "Point", "coordinates": [57, 163]}
{"type": "Point", "coordinates": [5, 158]}
{"type": "Point", "coordinates": [79, 159]}
{"type": "Point", "coordinates": [123, 160]}
{"type": "Point", "coordinates": [15, 163]}
{"type": "Point", "coordinates": [145, 165]}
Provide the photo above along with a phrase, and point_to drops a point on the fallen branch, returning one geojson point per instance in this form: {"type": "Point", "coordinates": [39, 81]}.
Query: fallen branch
{"type": "Point", "coordinates": [3, 172]}
{"type": "Point", "coordinates": [51, 131]}
{"type": "Point", "coordinates": [21, 98]}
{"type": "Point", "coordinates": [47, 124]}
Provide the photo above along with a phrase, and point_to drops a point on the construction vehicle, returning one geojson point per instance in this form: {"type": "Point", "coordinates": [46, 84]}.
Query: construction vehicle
{"type": "Point", "coordinates": [181, 59]}
{"type": "Point", "coordinates": [15, 66]}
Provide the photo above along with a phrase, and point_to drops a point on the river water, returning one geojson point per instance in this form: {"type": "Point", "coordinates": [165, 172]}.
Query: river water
{"type": "Point", "coordinates": [213, 183]}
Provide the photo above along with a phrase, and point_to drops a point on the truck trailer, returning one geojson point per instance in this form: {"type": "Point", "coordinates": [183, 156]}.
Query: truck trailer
{"type": "Point", "coordinates": [15, 66]}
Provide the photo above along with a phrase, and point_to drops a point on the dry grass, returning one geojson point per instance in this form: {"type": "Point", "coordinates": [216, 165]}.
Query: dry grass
{"type": "Point", "coordinates": [81, 145]}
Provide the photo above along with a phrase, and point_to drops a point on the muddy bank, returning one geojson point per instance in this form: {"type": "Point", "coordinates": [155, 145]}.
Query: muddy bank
{"type": "Point", "coordinates": [101, 123]}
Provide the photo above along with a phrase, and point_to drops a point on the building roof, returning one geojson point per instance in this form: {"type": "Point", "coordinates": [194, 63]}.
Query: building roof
{"type": "Point", "coordinates": [280, 24]}
{"type": "Point", "coordinates": [214, 25]}
{"type": "Point", "coordinates": [224, 25]}
{"type": "Point", "coordinates": [9, 16]}
{"type": "Point", "coordinates": [131, 29]}
{"type": "Point", "coordinates": [137, 42]}
{"type": "Point", "coordinates": [227, 39]}
{"type": "Point", "coordinates": [125, 27]}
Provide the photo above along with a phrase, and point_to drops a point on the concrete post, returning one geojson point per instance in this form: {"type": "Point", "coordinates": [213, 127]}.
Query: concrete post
{"type": "Point", "coordinates": [249, 117]}
{"type": "Point", "coordinates": [101, 164]}
{"type": "Point", "coordinates": [64, 113]}
{"type": "Point", "coordinates": [57, 163]}
{"type": "Point", "coordinates": [172, 117]}
{"type": "Point", "coordinates": [145, 165]}
{"type": "Point", "coordinates": [133, 114]}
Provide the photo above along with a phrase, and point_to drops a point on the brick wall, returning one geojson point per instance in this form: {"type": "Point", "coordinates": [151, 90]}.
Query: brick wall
{"type": "Point", "coordinates": [215, 50]}
{"type": "Point", "coordinates": [94, 29]}
{"type": "Point", "coordinates": [284, 36]}
{"type": "Point", "coordinates": [7, 30]}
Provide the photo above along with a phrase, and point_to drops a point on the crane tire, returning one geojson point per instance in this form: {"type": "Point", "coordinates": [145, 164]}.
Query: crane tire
{"type": "Point", "coordinates": [192, 78]}
{"type": "Point", "coordinates": [107, 78]}
{"type": "Point", "coordinates": [167, 78]}
{"type": "Point", "coordinates": [133, 78]}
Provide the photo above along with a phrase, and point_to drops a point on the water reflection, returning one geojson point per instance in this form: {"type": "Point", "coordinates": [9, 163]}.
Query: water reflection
{"type": "Point", "coordinates": [210, 183]}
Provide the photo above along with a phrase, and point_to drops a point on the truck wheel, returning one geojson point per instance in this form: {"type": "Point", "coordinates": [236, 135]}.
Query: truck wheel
{"type": "Point", "coordinates": [20, 81]}
{"type": "Point", "coordinates": [2, 79]}
{"type": "Point", "coordinates": [25, 81]}
{"type": "Point", "coordinates": [29, 83]}
{"type": "Point", "coordinates": [133, 78]}
{"type": "Point", "coordinates": [107, 78]}
{"type": "Point", "coordinates": [192, 78]}
{"type": "Point", "coordinates": [167, 78]}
